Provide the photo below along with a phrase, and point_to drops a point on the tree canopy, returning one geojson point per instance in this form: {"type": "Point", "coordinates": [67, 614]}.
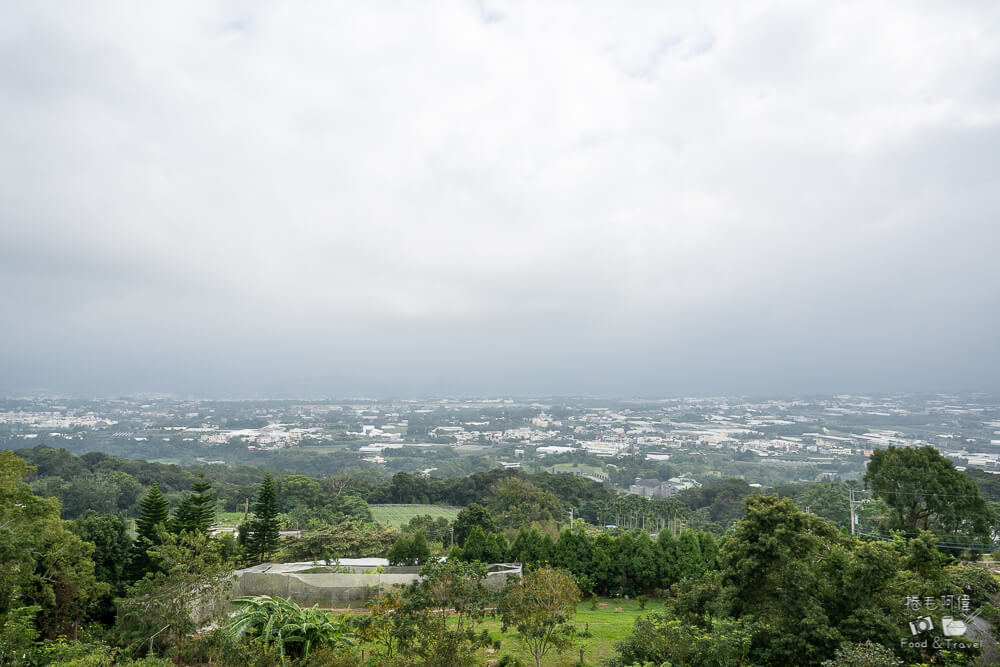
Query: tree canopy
{"type": "Point", "coordinates": [926, 492]}
{"type": "Point", "coordinates": [42, 563]}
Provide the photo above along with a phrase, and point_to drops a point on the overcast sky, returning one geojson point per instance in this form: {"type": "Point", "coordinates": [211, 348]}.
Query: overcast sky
{"type": "Point", "coordinates": [239, 198]}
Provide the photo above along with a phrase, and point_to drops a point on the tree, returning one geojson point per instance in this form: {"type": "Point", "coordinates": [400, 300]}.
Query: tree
{"type": "Point", "coordinates": [179, 597]}
{"type": "Point", "coordinates": [573, 552]}
{"type": "Point", "coordinates": [641, 567]}
{"type": "Point", "coordinates": [378, 626]}
{"type": "Point", "coordinates": [607, 568]}
{"type": "Point", "coordinates": [771, 573]}
{"type": "Point", "coordinates": [496, 548]}
{"type": "Point", "coordinates": [540, 607]}
{"type": "Point", "coordinates": [154, 513]}
{"type": "Point", "coordinates": [350, 539]}
{"type": "Point", "coordinates": [17, 635]}
{"type": "Point", "coordinates": [437, 622]}
{"type": "Point", "coordinates": [298, 490]}
{"type": "Point", "coordinates": [473, 515]}
{"type": "Point", "coordinates": [196, 512]}
{"type": "Point", "coordinates": [435, 528]}
{"type": "Point", "coordinates": [42, 564]}
{"type": "Point", "coordinates": [823, 498]}
{"type": "Point", "coordinates": [688, 563]}
{"type": "Point", "coordinates": [263, 538]}
{"type": "Point", "coordinates": [109, 535]}
{"type": "Point", "coordinates": [200, 509]}
{"type": "Point", "coordinates": [809, 588]}
{"type": "Point", "coordinates": [409, 550]}
{"type": "Point", "coordinates": [925, 492]}
{"type": "Point", "coordinates": [184, 518]}
{"type": "Point", "coordinates": [666, 548]}
{"type": "Point", "coordinates": [531, 547]}
{"type": "Point", "coordinates": [515, 503]}
{"type": "Point", "coordinates": [154, 510]}
{"type": "Point", "coordinates": [474, 546]}
{"type": "Point", "coordinates": [723, 500]}
{"type": "Point", "coordinates": [709, 549]}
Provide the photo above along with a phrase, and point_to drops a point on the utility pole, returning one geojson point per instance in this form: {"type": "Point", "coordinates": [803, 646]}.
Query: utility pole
{"type": "Point", "coordinates": [855, 504]}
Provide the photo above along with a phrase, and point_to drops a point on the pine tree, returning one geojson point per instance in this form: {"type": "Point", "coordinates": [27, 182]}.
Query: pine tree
{"type": "Point", "coordinates": [154, 513]}
{"type": "Point", "coordinates": [263, 539]}
{"type": "Point", "coordinates": [184, 518]}
{"type": "Point", "coordinates": [154, 510]}
{"type": "Point", "coordinates": [196, 513]}
{"type": "Point", "coordinates": [203, 503]}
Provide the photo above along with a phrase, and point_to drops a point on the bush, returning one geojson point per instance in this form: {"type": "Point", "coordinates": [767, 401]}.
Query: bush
{"type": "Point", "coordinates": [864, 654]}
{"type": "Point", "coordinates": [18, 634]}
{"type": "Point", "coordinates": [659, 640]}
{"type": "Point", "coordinates": [328, 657]}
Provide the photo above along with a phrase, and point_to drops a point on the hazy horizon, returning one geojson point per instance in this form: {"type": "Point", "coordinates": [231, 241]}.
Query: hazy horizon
{"type": "Point", "coordinates": [499, 199]}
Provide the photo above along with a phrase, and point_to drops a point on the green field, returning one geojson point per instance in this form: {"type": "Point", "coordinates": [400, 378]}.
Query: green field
{"type": "Point", "coordinates": [611, 621]}
{"type": "Point", "coordinates": [228, 518]}
{"type": "Point", "coordinates": [399, 515]}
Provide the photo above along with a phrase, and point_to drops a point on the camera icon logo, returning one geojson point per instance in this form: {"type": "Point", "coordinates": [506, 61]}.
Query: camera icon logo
{"type": "Point", "coordinates": [921, 624]}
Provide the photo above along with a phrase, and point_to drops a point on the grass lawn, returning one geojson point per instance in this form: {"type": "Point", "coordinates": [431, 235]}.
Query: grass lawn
{"type": "Point", "coordinates": [229, 518]}
{"type": "Point", "coordinates": [611, 621]}
{"type": "Point", "coordinates": [399, 515]}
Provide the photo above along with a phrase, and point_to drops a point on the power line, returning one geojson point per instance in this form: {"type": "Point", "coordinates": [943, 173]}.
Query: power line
{"type": "Point", "coordinates": [921, 492]}
{"type": "Point", "coordinates": [943, 545]}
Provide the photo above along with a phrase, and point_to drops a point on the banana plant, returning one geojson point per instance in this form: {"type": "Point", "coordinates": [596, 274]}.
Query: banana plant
{"type": "Point", "coordinates": [295, 632]}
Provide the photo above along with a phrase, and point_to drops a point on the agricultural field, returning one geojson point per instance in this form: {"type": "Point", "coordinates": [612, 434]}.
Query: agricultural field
{"type": "Point", "coordinates": [397, 516]}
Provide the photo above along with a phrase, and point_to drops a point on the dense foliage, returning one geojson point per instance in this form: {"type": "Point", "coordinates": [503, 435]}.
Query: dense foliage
{"type": "Point", "coordinates": [742, 576]}
{"type": "Point", "coordinates": [925, 492]}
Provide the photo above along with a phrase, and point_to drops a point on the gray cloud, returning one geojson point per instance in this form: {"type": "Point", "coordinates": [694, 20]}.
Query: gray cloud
{"type": "Point", "coordinates": [510, 197]}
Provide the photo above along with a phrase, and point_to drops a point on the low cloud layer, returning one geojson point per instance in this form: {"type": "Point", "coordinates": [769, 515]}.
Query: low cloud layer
{"type": "Point", "coordinates": [330, 199]}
